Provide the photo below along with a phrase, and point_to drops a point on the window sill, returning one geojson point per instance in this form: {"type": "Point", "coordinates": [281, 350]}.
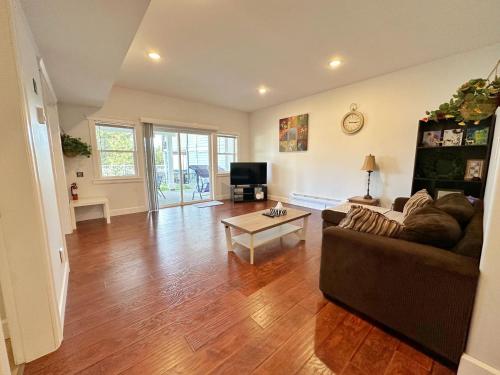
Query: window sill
{"type": "Point", "coordinates": [117, 180]}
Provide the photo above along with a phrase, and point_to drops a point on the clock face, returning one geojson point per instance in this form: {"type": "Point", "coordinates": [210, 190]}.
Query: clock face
{"type": "Point", "coordinates": [352, 122]}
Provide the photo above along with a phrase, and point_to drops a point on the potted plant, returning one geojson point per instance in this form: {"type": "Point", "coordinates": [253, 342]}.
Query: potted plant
{"type": "Point", "coordinates": [474, 101]}
{"type": "Point", "coordinates": [72, 146]}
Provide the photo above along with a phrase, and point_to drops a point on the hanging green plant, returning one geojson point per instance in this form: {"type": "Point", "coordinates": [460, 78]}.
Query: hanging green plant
{"type": "Point", "coordinates": [474, 101]}
{"type": "Point", "coordinates": [72, 146]}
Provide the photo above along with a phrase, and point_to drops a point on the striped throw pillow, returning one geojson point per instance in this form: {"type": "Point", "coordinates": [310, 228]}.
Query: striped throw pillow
{"type": "Point", "coordinates": [363, 219]}
{"type": "Point", "coordinates": [420, 199]}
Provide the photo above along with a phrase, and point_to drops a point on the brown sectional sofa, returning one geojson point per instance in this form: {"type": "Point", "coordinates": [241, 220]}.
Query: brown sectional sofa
{"type": "Point", "coordinates": [420, 291]}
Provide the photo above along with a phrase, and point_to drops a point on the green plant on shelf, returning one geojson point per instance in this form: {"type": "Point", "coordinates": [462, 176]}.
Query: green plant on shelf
{"type": "Point", "coordinates": [72, 146]}
{"type": "Point", "coordinates": [474, 101]}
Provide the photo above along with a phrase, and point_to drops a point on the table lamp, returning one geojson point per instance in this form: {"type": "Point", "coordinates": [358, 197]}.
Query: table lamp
{"type": "Point", "coordinates": [369, 166]}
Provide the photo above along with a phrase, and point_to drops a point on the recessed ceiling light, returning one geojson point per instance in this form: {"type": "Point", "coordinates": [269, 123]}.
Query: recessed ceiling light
{"type": "Point", "coordinates": [262, 90]}
{"type": "Point", "coordinates": [335, 63]}
{"type": "Point", "coordinates": [154, 56]}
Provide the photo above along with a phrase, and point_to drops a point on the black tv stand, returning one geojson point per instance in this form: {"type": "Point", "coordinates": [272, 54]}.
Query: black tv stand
{"type": "Point", "coordinates": [248, 193]}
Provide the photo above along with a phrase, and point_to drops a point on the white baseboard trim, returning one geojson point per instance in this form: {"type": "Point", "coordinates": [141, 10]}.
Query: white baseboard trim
{"type": "Point", "coordinates": [472, 366]}
{"type": "Point", "coordinates": [5, 327]}
{"type": "Point", "coordinates": [127, 210]}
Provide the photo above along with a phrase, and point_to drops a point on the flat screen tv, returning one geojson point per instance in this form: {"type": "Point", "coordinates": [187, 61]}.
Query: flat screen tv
{"type": "Point", "coordinates": [248, 173]}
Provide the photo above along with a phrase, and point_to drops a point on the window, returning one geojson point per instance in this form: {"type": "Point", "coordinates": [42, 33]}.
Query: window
{"type": "Point", "coordinates": [226, 152]}
{"type": "Point", "coordinates": [116, 151]}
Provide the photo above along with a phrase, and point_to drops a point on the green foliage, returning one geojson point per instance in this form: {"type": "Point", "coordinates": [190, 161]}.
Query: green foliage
{"type": "Point", "coordinates": [474, 101]}
{"type": "Point", "coordinates": [74, 146]}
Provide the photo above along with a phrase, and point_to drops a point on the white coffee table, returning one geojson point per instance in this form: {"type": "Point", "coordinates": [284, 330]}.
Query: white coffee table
{"type": "Point", "coordinates": [259, 229]}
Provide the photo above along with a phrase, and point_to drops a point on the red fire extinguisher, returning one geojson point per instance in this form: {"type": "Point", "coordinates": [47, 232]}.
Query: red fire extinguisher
{"type": "Point", "coordinates": [74, 194]}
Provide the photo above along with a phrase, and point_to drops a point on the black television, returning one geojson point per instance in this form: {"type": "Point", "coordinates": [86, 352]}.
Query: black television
{"type": "Point", "coordinates": [248, 173]}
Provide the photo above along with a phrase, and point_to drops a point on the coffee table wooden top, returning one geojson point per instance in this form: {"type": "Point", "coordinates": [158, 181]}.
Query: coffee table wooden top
{"type": "Point", "coordinates": [256, 222]}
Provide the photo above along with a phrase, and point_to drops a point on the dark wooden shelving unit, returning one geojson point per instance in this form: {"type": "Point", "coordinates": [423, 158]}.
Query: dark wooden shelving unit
{"type": "Point", "coordinates": [247, 193]}
{"type": "Point", "coordinates": [443, 167]}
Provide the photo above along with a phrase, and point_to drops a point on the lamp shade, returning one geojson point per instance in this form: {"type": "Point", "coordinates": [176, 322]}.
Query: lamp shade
{"type": "Point", "coordinates": [369, 164]}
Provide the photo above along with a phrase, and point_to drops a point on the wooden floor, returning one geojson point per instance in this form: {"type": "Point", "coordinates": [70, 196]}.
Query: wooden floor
{"type": "Point", "coordinates": [159, 294]}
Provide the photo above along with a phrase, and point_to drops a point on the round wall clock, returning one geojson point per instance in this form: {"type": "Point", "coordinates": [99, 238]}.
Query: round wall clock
{"type": "Point", "coordinates": [353, 121]}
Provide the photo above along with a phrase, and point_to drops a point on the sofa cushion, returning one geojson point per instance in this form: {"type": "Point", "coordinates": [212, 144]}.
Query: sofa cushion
{"type": "Point", "coordinates": [431, 226]}
{"type": "Point", "coordinates": [363, 219]}
{"type": "Point", "coordinates": [456, 205]}
{"type": "Point", "coordinates": [333, 215]}
{"type": "Point", "coordinates": [472, 241]}
{"type": "Point", "coordinates": [420, 199]}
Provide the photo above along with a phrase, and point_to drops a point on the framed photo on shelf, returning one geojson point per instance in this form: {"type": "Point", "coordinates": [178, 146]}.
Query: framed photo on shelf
{"type": "Point", "coordinates": [453, 137]}
{"type": "Point", "coordinates": [431, 138]}
{"type": "Point", "coordinates": [474, 169]}
{"type": "Point", "coordinates": [439, 193]}
{"type": "Point", "coordinates": [477, 136]}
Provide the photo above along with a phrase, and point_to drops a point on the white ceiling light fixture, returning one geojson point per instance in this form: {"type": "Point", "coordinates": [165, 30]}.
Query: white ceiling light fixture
{"type": "Point", "coordinates": [335, 63]}
{"type": "Point", "coordinates": [263, 90]}
{"type": "Point", "coordinates": [154, 56]}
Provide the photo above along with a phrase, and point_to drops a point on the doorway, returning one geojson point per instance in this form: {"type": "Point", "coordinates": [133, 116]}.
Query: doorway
{"type": "Point", "coordinates": [183, 163]}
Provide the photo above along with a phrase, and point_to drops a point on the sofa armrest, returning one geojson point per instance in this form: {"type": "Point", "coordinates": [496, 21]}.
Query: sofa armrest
{"type": "Point", "coordinates": [399, 203]}
{"type": "Point", "coordinates": [423, 292]}
{"type": "Point", "coordinates": [331, 217]}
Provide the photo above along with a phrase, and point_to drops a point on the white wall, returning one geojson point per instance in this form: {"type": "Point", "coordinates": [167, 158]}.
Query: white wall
{"type": "Point", "coordinates": [32, 276]}
{"type": "Point", "coordinates": [483, 347]}
{"type": "Point", "coordinates": [131, 105]}
{"type": "Point", "coordinates": [392, 105]}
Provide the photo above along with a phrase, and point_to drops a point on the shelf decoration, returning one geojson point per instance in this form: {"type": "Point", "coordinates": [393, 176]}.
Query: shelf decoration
{"type": "Point", "coordinates": [453, 137]}
{"type": "Point", "coordinates": [72, 146]}
{"type": "Point", "coordinates": [474, 101]}
{"type": "Point", "coordinates": [477, 136]}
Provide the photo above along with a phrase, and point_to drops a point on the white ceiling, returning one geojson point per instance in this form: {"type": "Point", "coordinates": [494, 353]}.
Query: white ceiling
{"type": "Point", "coordinates": [83, 43]}
{"type": "Point", "coordinates": [220, 51]}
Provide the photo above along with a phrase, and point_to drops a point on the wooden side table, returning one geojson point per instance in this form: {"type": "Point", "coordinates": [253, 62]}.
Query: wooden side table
{"type": "Point", "coordinates": [362, 200]}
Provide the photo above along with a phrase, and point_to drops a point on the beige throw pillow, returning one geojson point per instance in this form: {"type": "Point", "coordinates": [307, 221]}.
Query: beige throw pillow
{"type": "Point", "coordinates": [420, 199]}
{"type": "Point", "coordinates": [363, 219]}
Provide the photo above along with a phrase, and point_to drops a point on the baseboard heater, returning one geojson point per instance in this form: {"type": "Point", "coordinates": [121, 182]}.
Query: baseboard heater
{"type": "Point", "coordinates": [312, 201]}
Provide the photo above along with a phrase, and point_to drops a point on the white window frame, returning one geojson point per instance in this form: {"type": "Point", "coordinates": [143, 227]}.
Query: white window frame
{"type": "Point", "coordinates": [96, 157]}
{"type": "Point", "coordinates": [236, 151]}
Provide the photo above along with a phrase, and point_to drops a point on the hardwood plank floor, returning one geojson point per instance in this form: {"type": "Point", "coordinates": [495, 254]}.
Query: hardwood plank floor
{"type": "Point", "coordinates": [159, 294]}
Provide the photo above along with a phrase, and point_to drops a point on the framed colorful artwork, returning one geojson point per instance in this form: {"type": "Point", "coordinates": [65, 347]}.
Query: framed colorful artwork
{"type": "Point", "coordinates": [294, 133]}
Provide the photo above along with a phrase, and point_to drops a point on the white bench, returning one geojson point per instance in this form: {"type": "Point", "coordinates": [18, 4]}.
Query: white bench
{"type": "Point", "coordinates": [94, 201]}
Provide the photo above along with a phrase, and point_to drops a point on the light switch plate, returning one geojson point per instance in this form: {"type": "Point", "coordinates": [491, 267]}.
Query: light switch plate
{"type": "Point", "coordinates": [40, 115]}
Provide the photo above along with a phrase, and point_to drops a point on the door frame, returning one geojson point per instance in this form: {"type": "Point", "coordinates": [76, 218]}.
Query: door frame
{"type": "Point", "coordinates": [4, 358]}
{"type": "Point", "coordinates": [178, 131]}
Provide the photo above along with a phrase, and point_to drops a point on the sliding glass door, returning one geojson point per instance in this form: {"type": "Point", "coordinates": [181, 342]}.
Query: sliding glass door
{"type": "Point", "coordinates": [167, 165]}
{"type": "Point", "coordinates": [183, 166]}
